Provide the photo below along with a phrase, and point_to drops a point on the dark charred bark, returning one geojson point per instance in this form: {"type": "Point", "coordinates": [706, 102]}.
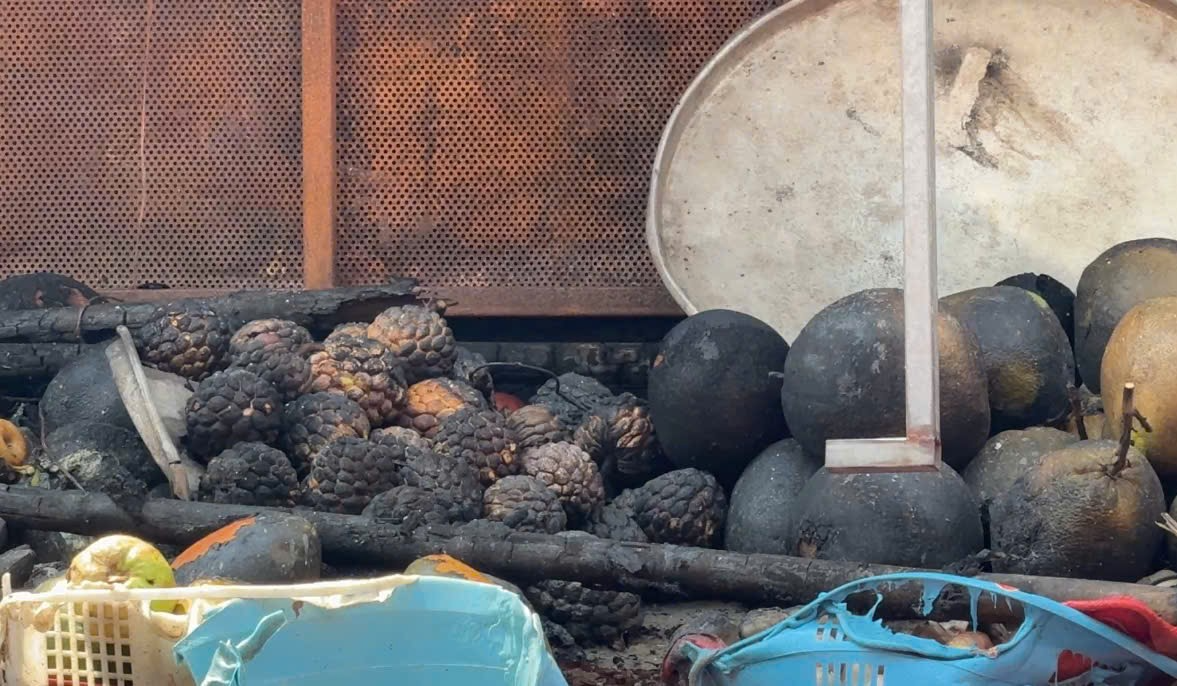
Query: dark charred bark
{"type": "Point", "coordinates": [316, 310]}
{"type": "Point", "coordinates": [523, 558]}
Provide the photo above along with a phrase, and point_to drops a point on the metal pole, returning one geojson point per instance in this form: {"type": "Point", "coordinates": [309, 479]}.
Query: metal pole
{"type": "Point", "coordinates": [920, 448]}
{"type": "Point", "coordinates": [919, 226]}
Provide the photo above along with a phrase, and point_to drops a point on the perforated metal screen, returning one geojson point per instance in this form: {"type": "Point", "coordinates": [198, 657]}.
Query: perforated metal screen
{"type": "Point", "coordinates": [499, 146]}
{"type": "Point", "coordinates": [217, 177]}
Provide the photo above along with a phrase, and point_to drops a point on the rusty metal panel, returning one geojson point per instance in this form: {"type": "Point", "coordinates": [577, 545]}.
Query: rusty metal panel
{"type": "Point", "coordinates": [502, 150]}
{"type": "Point", "coordinates": [151, 141]}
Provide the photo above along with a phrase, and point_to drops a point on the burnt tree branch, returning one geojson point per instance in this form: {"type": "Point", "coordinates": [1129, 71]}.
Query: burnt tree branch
{"type": "Point", "coordinates": [36, 360]}
{"type": "Point", "coordinates": [316, 310]}
{"type": "Point", "coordinates": [1129, 415]}
{"type": "Point", "coordinates": [521, 558]}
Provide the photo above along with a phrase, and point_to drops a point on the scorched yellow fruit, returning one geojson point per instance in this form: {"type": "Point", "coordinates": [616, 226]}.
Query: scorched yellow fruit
{"type": "Point", "coordinates": [126, 560]}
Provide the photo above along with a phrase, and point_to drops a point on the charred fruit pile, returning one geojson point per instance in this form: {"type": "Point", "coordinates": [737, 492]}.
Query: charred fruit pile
{"type": "Point", "coordinates": [1050, 467]}
{"type": "Point", "coordinates": [1059, 435]}
{"type": "Point", "coordinates": [394, 421]}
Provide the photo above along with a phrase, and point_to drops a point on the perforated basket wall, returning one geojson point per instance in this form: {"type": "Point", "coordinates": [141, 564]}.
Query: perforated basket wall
{"type": "Point", "coordinates": [497, 150]}
{"type": "Point", "coordinates": [213, 88]}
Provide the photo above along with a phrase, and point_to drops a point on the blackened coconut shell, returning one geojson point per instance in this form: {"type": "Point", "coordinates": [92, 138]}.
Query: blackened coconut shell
{"type": "Point", "coordinates": [844, 378]}
{"type": "Point", "coordinates": [84, 390]}
{"type": "Point", "coordinates": [713, 395]}
{"type": "Point", "coordinates": [913, 519]}
{"type": "Point", "coordinates": [1122, 277]}
{"type": "Point", "coordinates": [1025, 353]}
{"type": "Point", "coordinates": [123, 445]}
{"type": "Point", "coordinates": [1069, 517]}
{"type": "Point", "coordinates": [1009, 455]}
{"type": "Point", "coordinates": [760, 514]}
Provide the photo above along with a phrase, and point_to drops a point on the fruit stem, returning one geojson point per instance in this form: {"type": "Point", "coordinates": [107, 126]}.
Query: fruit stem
{"type": "Point", "coordinates": [1077, 412]}
{"type": "Point", "coordinates": [1128, 414]}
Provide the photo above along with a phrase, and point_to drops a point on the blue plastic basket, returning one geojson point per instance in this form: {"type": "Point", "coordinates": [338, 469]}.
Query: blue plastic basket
{"type": "Point", "coordinates": [427, 631]}
{"type": "Point", "coordinates": [827, 645]}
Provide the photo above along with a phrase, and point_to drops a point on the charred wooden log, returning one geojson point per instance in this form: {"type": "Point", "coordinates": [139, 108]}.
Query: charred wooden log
{"type": "Point", "coordinates": [316, 310]}
{"type": "Point", "coordinates": [522, 558]}
{"type": "Point", "coordinates": [36, 360]}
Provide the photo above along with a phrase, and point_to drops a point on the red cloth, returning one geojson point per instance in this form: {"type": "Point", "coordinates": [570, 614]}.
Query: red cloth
{"type": "Point", "coordinates": [1130, 617]}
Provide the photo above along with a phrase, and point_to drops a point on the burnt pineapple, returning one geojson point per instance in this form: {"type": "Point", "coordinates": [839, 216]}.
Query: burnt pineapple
{"type": "Point", "coordinates": [190, 340]}
{"type": "Point", "coordinates": [362, 370]}
{"type": "Point", "coordinates": [418, 335]}
{"type": "Point", "coordinates": [314, 420]}
{"type": "Point", "coordinates": [432, 400]}
{"type": "Point", "coordinates": [619, 436]}
{"type": "Point", "coordinates": [480, 437]}
{"type": "Point", "coordinates": [348, 472]}
{"type": "Point", "coordinates": [231, 407]}
{"type": "Point", "coordinates": [524, 503]}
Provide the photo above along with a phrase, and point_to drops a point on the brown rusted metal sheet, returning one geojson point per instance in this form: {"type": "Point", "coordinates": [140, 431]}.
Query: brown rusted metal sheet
{"type": "Point", "coordinates": [498, 151]}
{"type": "Point", "coordinates": [507, 145]}
{"type": "Point", "coordinates": [151, 141]}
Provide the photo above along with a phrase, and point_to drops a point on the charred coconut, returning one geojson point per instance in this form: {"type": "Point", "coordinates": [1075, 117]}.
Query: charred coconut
{"type": "Point", "coordinates": [844, 378]}
{"type": "Point", "coordinates": [760, 517]}
{"type": "Point", "coordinates": [1077, 513]}
{"type": "Point", "coordinates": [911, 519]}
{"type": "Point", "coordinates": [1024, 351]}
{"type": "Point", "coordinates": [713, 393]}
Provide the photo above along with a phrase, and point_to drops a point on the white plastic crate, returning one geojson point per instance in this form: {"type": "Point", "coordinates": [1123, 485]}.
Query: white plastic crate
{"type": "Point", "coordinates": [108, 635]}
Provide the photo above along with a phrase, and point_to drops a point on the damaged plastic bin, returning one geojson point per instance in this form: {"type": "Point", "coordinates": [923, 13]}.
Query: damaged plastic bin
{"type": "Point", "coordinates": [826, 644]}
{"type": "Point", "coordinates": [415, 630]}
{"type": "Point", "coordinates": [427, 630]}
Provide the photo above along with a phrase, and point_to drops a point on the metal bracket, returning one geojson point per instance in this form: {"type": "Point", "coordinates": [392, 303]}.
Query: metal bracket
{"type": "Point", "coordinates": [920, 449]}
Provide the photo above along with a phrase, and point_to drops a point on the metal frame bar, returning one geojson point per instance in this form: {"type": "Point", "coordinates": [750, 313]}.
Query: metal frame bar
{"type": "Point", "coordinates": [920, 449]}
{"type": "Point", "coordinates": [318, 143]}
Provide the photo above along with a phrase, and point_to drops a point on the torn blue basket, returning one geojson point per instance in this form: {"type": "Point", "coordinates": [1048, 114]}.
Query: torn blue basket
{"type": "Point", "coordinates": [825, 644]}
{"type": "Point", "coordinates": [432, 631]}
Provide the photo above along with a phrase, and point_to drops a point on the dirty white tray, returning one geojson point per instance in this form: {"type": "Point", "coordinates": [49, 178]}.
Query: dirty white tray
{"type": "Point", "coordinates": [777, 185]}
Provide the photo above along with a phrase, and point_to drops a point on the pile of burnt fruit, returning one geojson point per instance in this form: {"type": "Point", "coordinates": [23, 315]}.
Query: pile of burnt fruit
{"type": "Point", "coordinates": [383, 419]}
{"type": "Point", "coordinates": [1049, 467]}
